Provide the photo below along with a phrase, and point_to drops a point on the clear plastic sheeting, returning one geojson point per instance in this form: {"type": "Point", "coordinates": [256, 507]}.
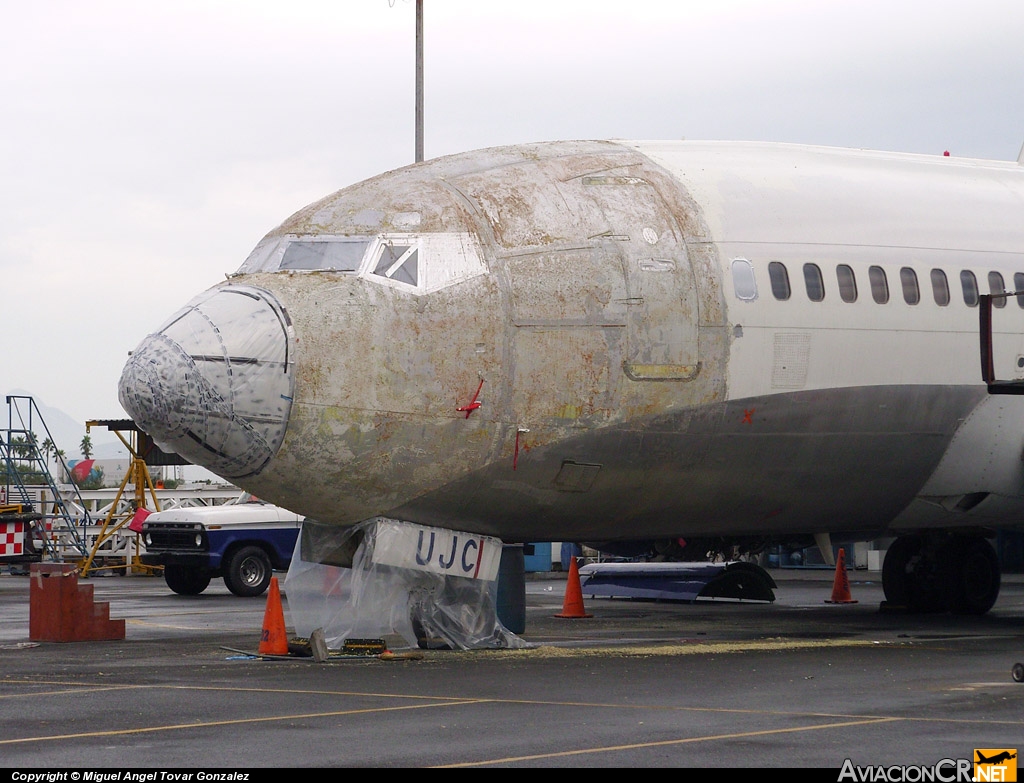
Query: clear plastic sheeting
{"type": "Point", "coordinates": [214, 383]}
{"type": "Point", "coordinates": [434, 588]}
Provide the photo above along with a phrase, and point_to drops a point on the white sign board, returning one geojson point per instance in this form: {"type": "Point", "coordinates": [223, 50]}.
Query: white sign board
{"type": "Point", "coordinates": [448, 552]}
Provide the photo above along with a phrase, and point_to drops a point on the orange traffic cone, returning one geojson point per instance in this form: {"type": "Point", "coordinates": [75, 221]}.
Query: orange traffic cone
{"type": "Point", "coordinates": [841, 585]}
{"type": "Point", "coordinates": [274, 639]}
{"type": "Point", "coordinates": [572, 606]}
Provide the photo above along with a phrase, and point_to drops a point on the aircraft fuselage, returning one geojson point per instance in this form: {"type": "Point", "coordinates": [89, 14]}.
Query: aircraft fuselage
{"type": "Point", "coordinates": [598, 341]}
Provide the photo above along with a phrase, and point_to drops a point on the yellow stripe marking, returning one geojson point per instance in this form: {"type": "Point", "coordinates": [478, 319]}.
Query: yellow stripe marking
{"type": "Point", "coordinates": [235, 722]}
{"type": "Point", "coordinates": [665, 743]}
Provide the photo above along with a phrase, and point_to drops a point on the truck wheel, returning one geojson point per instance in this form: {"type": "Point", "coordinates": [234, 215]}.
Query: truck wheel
{"type": "Point", "coordinates": [185, 580]}
{"type": "Point", "coordinates": [248, 572]}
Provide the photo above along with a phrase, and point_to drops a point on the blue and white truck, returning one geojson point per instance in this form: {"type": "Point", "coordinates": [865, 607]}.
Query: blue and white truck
{"type": "Point", "coordinates": [243, 541]}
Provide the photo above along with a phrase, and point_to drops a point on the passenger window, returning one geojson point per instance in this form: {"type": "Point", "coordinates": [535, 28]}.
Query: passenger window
{"type": "Point", "coordinates": [911, 292]}
{"type": "Point", "coordinates": [780, 280]}
{"type": "Point", "coordinates": [940, 287]}
{"type": "Point", "coordinates": [1018, 285]}
{"type": "Point", "coordinates": [814, 282]}
{"type": "Point", "coordinates": [743, 279]}
{"type": "Point", "coordinates": [847, 283]}
{"type": "Point", "coordinates": [879, 285]}
{"type": "Point", "coordinates": [969, 283]}
{"type": "Point", "coordinates": [995, 286]}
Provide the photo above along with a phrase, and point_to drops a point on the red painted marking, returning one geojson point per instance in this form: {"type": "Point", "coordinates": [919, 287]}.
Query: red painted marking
{"type": "Point", "coordinates": [748, 415]}
{"type": "Point", "coordinates": [473, 404]}
{"type": "Point", "coordinates": [479, 557]}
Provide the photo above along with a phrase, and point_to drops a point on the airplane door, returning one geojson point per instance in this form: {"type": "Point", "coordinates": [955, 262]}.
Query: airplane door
{"type": "Point", "coordinates": [661, 315]}
{"type": "Point", "coordinates": [662, 324]}
{"type": "Point", "coordinates": [565, 365]}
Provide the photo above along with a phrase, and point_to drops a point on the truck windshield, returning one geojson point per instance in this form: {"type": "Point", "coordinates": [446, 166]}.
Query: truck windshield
{"type": "Point", "coordinates": [245, 497]}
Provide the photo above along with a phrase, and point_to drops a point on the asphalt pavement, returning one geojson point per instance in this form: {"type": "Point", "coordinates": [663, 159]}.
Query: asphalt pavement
{"type": "Point", "coordinates": [796, 683]}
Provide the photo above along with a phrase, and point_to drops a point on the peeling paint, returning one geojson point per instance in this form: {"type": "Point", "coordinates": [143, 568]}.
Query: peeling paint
{"type": "Point", "coordinates": [569, 294]}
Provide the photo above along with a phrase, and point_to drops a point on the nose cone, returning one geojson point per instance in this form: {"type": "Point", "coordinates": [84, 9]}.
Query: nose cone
{"type": "Point", "coordinates": [214, 384]}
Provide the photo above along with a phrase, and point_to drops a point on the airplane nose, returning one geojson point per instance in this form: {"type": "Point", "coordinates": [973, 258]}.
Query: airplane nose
{"type": "Point", "coordinates": [214, 384]}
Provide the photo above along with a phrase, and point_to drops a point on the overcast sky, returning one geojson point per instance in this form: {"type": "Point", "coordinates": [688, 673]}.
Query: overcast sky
{"type": "Point", "coordinates": [147, 147]}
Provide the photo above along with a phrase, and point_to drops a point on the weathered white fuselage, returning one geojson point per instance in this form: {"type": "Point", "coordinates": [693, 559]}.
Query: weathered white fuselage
{"type": "Point", "coordinates": [609, 305]}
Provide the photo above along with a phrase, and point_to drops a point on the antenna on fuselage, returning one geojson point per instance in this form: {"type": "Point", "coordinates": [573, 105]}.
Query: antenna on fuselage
{"type": "Point", "coordinates": [419, 81]}
{"type": "Point", "coordinates": [419, 78]}
{"type": "Point", "coordinates": [1020, 155]}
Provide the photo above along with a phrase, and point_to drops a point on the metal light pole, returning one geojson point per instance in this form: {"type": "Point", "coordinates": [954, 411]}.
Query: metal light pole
{"type": "Point", "coordinates": [419, 81]}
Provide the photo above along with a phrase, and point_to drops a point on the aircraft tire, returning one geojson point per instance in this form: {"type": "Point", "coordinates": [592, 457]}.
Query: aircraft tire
{"type": "Point", "coordinates": [248, 572]}
{"type": "Point", "coordinates": [916, 573]}
{"type": "Point", "coordinates": [184, 580]}
{"type": "Point", "coordinates": [1018, 672]}
{"type": "Point", "coordinates": [896, 580]}
{"type": "Point", "coordinates": [933, 573]}
{"type": "Point", "coordinates": [975, 582]}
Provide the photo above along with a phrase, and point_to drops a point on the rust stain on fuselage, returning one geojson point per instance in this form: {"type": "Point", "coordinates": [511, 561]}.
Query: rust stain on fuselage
{"type": "Point", "coordinates": [548, 327]}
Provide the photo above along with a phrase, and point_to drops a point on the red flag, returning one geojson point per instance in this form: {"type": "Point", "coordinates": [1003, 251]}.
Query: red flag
{"type": "Point", "coordinates": [137, 520]}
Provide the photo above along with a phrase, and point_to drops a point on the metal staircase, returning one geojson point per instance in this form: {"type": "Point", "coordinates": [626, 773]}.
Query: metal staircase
{"type": "Point", "coordinates": [26, 468]}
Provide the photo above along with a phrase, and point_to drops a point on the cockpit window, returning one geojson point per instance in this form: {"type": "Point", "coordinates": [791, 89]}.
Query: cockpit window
{"type": "Point", "coordinates": [398, 262]}
{"type": "Point", "coordinates": [414, 263]}
{"type": "Point", "coordinates": [337, 255]}
{"type": "Point", "coordinates": [304, 253]}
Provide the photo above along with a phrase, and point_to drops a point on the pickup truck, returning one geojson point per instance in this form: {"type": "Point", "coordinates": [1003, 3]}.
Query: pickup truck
{"type": "Point", "coordinates": [243, 541]}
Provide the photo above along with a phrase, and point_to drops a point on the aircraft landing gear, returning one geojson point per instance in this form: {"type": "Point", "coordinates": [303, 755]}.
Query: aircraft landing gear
{"type": "Point", "coordinates": [941, 572]}
{"type": "Point", "coordinates": [1018, 672]}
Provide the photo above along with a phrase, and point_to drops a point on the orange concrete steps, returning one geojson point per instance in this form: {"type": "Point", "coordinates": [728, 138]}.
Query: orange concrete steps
{"type": "Point", "coordinates": [61, 610]}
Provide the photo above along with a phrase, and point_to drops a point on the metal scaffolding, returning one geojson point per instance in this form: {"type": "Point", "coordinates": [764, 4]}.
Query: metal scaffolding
{"type": "Point", "coordinates": [26, 463]}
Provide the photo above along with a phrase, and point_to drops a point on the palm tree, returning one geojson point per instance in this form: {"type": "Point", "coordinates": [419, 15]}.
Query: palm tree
{"type": "Point", "coordinates": [19, 446]}
{"type": "Point", "coordinates": [86, 447]}
{"type": "Point", "coordinates": [24, 450]}
{"type": "Point", "coordinates": [59, 455]}
{"type": "Point", "coordinates": [48, 449]}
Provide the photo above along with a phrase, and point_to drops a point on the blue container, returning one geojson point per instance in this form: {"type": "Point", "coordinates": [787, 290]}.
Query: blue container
{"type": "Point", "coordinates": [540, 559]}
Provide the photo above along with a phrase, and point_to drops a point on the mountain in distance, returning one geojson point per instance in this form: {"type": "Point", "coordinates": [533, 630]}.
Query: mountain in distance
{"type": "Point", "coordinates": [65, 431]}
